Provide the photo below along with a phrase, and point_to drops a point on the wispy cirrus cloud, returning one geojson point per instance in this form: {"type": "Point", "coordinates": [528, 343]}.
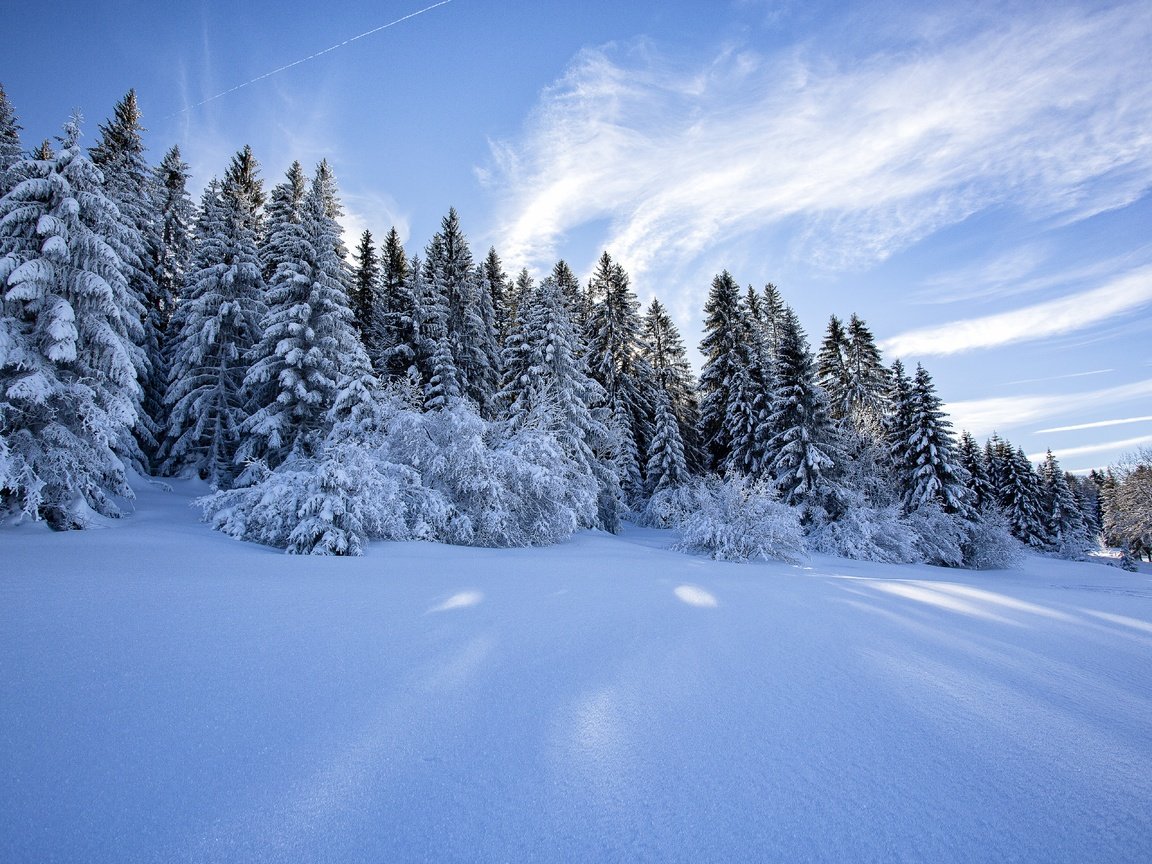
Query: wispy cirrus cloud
{"type": "Point", "coordinates": [1099, 424]}
{"type": "Point", "coordinates": [983, 416]}
{"type": "Point", "coordinates": [1105, 447]}
{"type": "Point", "coordinates": [854, 160]}
{"type": "Point", "coordinates": [1039, 321]}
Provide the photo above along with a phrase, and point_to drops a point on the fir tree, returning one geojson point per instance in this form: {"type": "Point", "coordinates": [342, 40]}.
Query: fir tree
{"type": "Point", "coordinates": [1063, 522]}
{"type": "Point", "coordinates": [975, 466]}
{"type": "Point", "coordinates": [748, 429]}
{"type": "Point", "coordinates": [395, 318]}
{"type": "Point", "coordinates": [365, 290]}
{"type": "Point", "coordinates": [492, 272]}
{"type": "Point", "coordinates": [309, 344]}
{"type": "Point", "coordinates": [867, 380]}
{"type": "Point", "coordinates": [242, 182]}
{"type": "Point", "coordinates": [933, 474]}
{"type": "Point", "coordinates": [573, 295]}
{"type": "Point", "coordinates": [832, 371]}
{"type": "Point", "coordinates": [615, 360]}
{"type": "Point", "coordinates": [119, 154]}
{"type": "Point", "coordinates": [285, 207]}
{"type": "Point", "coordinates": [10, 149]}
{"type": "Point", "coordinates": [805, 452]}
{"type": "Point", "coordinates": [667, 465]}
{"type": "Point", "coordinates": [723, 358]}
{"type": "Point", "coordinates": [1021, 498]}
{"type": "Point", "coordinates": [216, 328]}
{"type": "Point", "coordinates": [177, 216]}
{"type": "Point", "coordinates": [666, 355]}
{"type": "Point", "coordinates": [69, 340]}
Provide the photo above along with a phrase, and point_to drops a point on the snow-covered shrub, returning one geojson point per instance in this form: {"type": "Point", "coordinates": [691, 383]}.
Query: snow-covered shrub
{"type": "Point", "coordinates": [671, 506]}
{"type": "Point", "coordinates": [739, 520]}
{"type": "Point", "coordinates": [866, 533]}
{"type": "Point", "coordinates": [988, 543]}
{"type": "Point", "coordinates": [938, 536]}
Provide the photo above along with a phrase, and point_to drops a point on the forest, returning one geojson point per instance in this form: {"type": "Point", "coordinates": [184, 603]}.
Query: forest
{"type": "Point", "coordinates": [334, 395]}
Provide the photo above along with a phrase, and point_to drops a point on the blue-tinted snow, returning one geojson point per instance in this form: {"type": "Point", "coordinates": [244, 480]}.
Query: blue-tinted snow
{"type": "Point", "coordinates": [169, 694]}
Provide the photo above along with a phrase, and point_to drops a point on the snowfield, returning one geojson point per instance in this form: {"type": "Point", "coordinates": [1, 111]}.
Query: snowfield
{"type": "Point", "coordinates": [168, 694]}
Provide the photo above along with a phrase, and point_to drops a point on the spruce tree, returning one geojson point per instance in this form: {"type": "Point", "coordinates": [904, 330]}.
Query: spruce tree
{"type": "Point", "coordinates": [615, 360]}
{"type": "Point", "coordinates": [285, 207]}
{"type": "Point", "coordinates": [395, 318]}
{"type": "Point", "coordinates": [492, 272]}
{"type": "Point", "coordinates": [365, 290]}
{"type": "Point", "coordinates": [1021, 498]}
{"type": "Point", "coordinates": [933, 472]}
{"type": "Point", "coordinates": [1064, 523]}
{"type": "Point", "coordinates": [723, 357]}
{"type": "Point", "coordinates": [664, 350]}
{"type": "Point", "coordinates": [11, 151]}
{"type": "Point", "coordinates": [242, 182]}
{"type": "Point", "coordinates": [667, 465]}
{"type": "Point", "coordinates": [309, 344]}
{"type": "Point", "coordinates": [748, 428]}
{"type": "Point", "coordinates": [213, 334]}
{"type": "Point", "coordinates": [572, 293]}
{"type": "Point", "coordinates": [832, 370]}
{"type": "Point", "coordinates": [128, 182]}
{"type": "Point", "coordinates": [70, 331]}
{"type": "Point", "coordinates": [867, 379]}
{"type": "Point", "coordinates": [805, 452]}
{"type": "Point", "coordinates": [975, 466]}
{"type": "Point", "coordinates": [177, 217]}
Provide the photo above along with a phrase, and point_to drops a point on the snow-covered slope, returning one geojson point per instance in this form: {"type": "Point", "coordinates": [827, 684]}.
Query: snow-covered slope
{"type": "Point", "coordinates": [169, 694]}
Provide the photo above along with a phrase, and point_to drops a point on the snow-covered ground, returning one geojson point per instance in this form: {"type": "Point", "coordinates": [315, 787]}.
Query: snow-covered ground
{"type": "Point", "coordinates": [168, 694]}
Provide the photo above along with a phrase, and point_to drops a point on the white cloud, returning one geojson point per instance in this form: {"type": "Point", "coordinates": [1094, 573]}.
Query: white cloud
{"type": "Point", "coordinates": [1100, 424]}
{"type": "Point", "coordinates": [1039, 321]}
{"type": "Point", "coordinates": [983, 416]}
{"type": "Point", "coordinates": [858, 160]}
{"type": "Point", "coordinates": [1106, 447]}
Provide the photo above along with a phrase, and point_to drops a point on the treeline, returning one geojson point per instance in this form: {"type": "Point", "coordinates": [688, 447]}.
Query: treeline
{"type": "Point", "coordinates": [333, 396]}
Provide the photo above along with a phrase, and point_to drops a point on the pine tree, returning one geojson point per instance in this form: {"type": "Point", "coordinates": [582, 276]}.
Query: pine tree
{"type": "Point", "coordinates": [468, 328]}
{"type": "Point", "coordinates": [868, 381]}
{"type": "Point", "coordinates": [365, 290]}
{"type": "Point", "coordinates": [395, 317]}
{"type": "Point", "coordinates": [615, 360]}
{"type": "Point", "coordinates": [547, 385]}
{"type": "Point", "coordinates": [748, 429]}
{"type": "Point", "coordinates": [723, 357]}
{"type": "Point", "coordinates": [242, 182]}
{"type": "Point", "coordinates": [177, 216]}
{"type": "Point", "coordinates": [10, 148]}
{"type": "Point", "coordinates": [975, 466]}
{"type": "Point", "coordinates": [1063, 522]}
{"type": "Point", "coordinates": [933, 473]}
{"type": "Point", "coordinates": [667, 465]}
{"type": "Point", "coordinates": [119, 154]}
{"type": "Point", "coordinates": [492, 272]}
{"type": "Point", "coordinates": [1021, 498]}
{"type": "Point", "coordinates": [69, 340]}
{"type": "Point", "coordinates": [309, 344]}
{"type": "Point", "coordinates": [898, 428]}
{"type": "Point", "coordinates": [832, 371]}
{"type": "Point", "coordinates": [665, 353]}
{"type": "Point", "coordinates": [805, 452]}
{"type": "Point", "coordinates": [216, 328]}
{"type": "Point", "coordinates": [285, 207]}
{"type": "Point", "coordinates": [572, 293]}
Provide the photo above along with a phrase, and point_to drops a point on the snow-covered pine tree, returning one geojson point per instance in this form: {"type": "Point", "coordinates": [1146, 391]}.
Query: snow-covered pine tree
{"type": "Point", "coordinates": [128, 182]}
{"type": "Point", "coordinates": [520, 292]}
{"type": "Point", "coordinates": [898, 427]}
{"type": "Point", "coordinates": [395, 317]}
{"type": "Point", "coordinates": [285, 207]}
{"type": "Point", "coordinates": [1022, 500]}
{"type": "Point", "coordinates": [832, 372]}
{"type": "Point", "coordinates": [804, 448]}
{"type": "Point", "coordinates": [1063, 522]}
{"type": "Point", "coordinates": [775, 315]}
{"type": "Point", "coordinates": [666, 355]}
{"type": "Point", "coordinates": [868, 380]}
{"type": "Point", "coordinates": [723, 358]}
{"type": "Point", "coordinates": [934, 475]}
{"type": "Point", "coordinates": [747, 416]}
{"type": "Point", "coordinates": [547, 386]}
{"type": "Point", "coordinates": [11, 151]}
{"type": "Point", "coordinates": [308, 345]}
{"type": "Point", "coordinates": [468, 330]}
{"type": "Point", "coordinates": [492, 272]}
{"type": "Point", "coordinates": [177, 217]}
{"type": "Point", "coordinates": [216, 327]}
{"type": "Point", "coordinates": [572, 292]}
{"type": "Point", "coordinates": [70, 332]}
{"type": "Point", "coordinates": [972, 460]}
{"type": "Point", "coordinates": [615, 360]}
{"type": "Point", "coordinates": [242, 182]}
{"type": "Point", "coordinates": [365, 291]}
{"type": "Point", "coordinates": [667, 465]}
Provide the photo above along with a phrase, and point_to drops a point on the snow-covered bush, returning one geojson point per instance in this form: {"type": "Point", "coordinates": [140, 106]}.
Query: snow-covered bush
{"type": "Point", "coordinates": [988, 543]}
{"type": "Point", "coordinates": [938, 536]}
{"type": "Point", "coordinates": [671, 506]}
{"type": "Point", "coordinates": [866, 533]}
{"type": "Point", "coordinates": [739, 520]}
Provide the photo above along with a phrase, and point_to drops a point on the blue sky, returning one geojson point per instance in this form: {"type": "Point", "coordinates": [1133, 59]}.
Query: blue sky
{"type": "Point", "coordinates": [975, 179]}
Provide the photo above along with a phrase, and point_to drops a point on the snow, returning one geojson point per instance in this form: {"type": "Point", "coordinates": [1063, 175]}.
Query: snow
{"type": "Point", "coordinates": [170, 694]}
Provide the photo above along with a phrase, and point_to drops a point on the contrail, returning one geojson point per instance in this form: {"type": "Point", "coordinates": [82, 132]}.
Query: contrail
{"type": "Point", "coordinates": [313, 56]}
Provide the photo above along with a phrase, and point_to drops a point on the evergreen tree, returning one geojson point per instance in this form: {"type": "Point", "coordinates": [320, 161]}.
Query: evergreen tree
{"type": "Point", "coordinates": [365, 288]}
{"type": "Point", "coordinates": [868, 382]}
{"type": "Point", "coordinates": [492, 272]}
{"type": "Point", "coordinates": [573, 295]}
{"type": "Point", "coordinates": [547, 385]}
{"type": "Point", "coordinates": [747, 416]}
{"type": "Point", "coordinates": [1063, 521]}
{"type": "Point", "coordinates": [285, 207]}
{"type": "Point", "coordinates": [832, 371]}
{"type": "Point", "coordinates": [309, 343]}
{"type": "Point", "coordinates": [972, 460]}
{"type": "Point", "coordinates": [898, 427]}
{"type": "Point", "coordinates": [467, 328]}
{"type": "Point", "coordinates": [10, 149]}
{"type": "Point", "coordinates": [723, 357]}
{"type": "Point", "coordinates": [934, 475]}
{"type": "Point", "coordinates": [242, 182]}
{"type": "Point", "coordinates": [1021, 498]}
{"type": "Point", "coordinates": [177, 216]}
{"type": "Point", "coordinates": [218, 324]}
{"type": "Point", "coordinates": [119, 154]}
{"type": "Point", "coordinates": [615, 360]}
{"type": "Point", "coordinates": [70, 331]}
{"type": "Point", "coordinates": [667, 465]}
{"type": "Point", "coordinates": [805, 451]}
{"type": "Point", "coordinates": [395, 318]}
{"type": "Point", "coordinates": [665, 353]}
{"type": "Point", "coordinates": [775, 316]}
